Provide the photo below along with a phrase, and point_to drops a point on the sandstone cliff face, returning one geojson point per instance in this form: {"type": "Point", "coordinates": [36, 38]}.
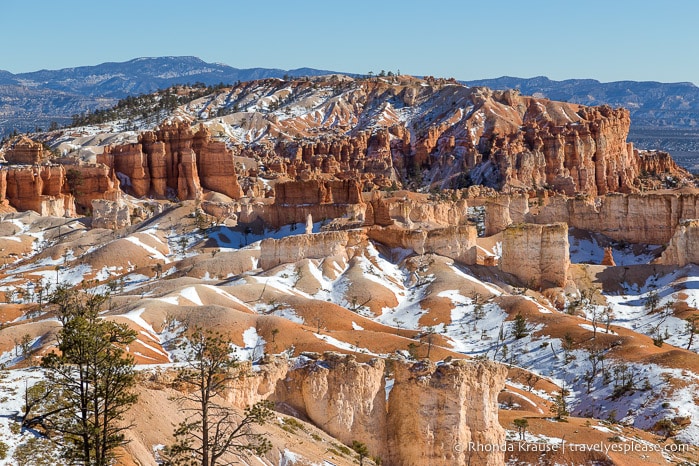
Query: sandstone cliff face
{"type": "Point", "coordinates": [274, 252]}
{"type": "Point", "coordinates": [503, 210]}
{"type": "Point", "coordinates": [110, 214]}
{"type": "Point", "coordinates": [215, 165]}
{"type": "Point", "coordinates": [536, 254]}
{"type": "Point", "coordinates": [684, 245]}
{"type": "Point", "coordinates": [660, 163]}
{"type": "Point", "coordinates": [365, 156]}
{"type": "Point", "coordinates": [39, 188]}
{"type": "Point", "coordinates": [570, 148]}
{"type": "Point", "coordinates": [95, 181]}
{"type": "Point", "coordinates": [458, 242]}
{"type": "Point", "coordinates": [174, 161]}
{"type": "Point", "coordinates": [649, 218]}
{"type": "Point", "coordinates": [428, 415]}
{"type": "Point", "coordinates": [437, 429]}
{"type": "Point", "coordinates": [345, 398]}
{"type": "Point", "coordinates": [318, 192]}
{"type": "Point", "coordinates": [25, 151]}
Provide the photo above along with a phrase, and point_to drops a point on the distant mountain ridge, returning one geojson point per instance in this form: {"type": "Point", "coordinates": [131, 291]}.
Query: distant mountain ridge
{"type": "Point", "coordinates": [663, 115]}
{"type": "Point", "coordinates": [35, 99]}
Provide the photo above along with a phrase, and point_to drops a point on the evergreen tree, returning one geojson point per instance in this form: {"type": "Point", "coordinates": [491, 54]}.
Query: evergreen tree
{"type": "Point", "coordinates": [559, 406]}
{"type": "Point", "coordinates": [361, 450]}
{"type": "Point", "coordinates": [520, 330]}
{"type": "Point", "coordinates": [521, 424]}
{"type": "Point", "coordinates": [91, 380]}
{"type": "Point", "coordinates": [213, 432]}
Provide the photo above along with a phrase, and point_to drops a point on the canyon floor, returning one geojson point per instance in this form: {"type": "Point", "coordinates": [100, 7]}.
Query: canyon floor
{"type": "Point", "coordinates": [370, 301]}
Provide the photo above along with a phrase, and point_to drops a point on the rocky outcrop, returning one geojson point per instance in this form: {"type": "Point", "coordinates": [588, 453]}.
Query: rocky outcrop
{"type": "Point", "coordinates": [27, 152]}
{"type": "Point", "coordinates": [426, 414]}
{"type": "Point", "coordinates": [460, 410]}
{"type": "Point", "coordinates": [317, 192]}
{"type": "Point", "coordinates": [458, 242]}
{"type": "Point", "coordinates": [538, 255]}
{"type": "Point", "coordinates": [111, 214]}
{"type": "Point", "coordinates": [608, 258]}
{"type": "Point", "coordinates": [174, 161]}
{"type": "Point", "coordinates": [38, 188]}
{"type": "Point", "coordinates": [88, 182]}
{"type": "Point", "coordinates": [411, 210]}
{"type": "Point", "coordinates": [446, 134]}
{"type": "Point", "coordinates": [684, 245]}
{"type": "Point", "coordinates": [660, 163]}
{"type": "Point", "coordinates": [365, 156]}
{"type": "Point", "coordinates": [503, 210]}
{"type": "Point", "coordinates": [347, 399]}
{"type": "Point", "coordinates": [215, 165]}
{"type": "Point", "coordinates": [649, 218]}
{"type": "Point", "coordinates": [274, 252]}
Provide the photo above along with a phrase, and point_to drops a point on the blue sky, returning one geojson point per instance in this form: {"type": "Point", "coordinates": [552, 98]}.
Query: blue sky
{"type": "Point", "coordinates": [607, 40]}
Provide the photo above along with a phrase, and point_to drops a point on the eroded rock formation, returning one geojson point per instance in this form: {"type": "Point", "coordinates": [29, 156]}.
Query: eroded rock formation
{"type": "Point", "coordinates": [458, 242]}
{"type": "Point", "coordinates": [39, 188]}
{"type": "Point", "coordinates": [274, 252]}
{"type": "Point", "coordinates": [25, 151]}
{"type": "Point", "coordinates": [649, 218]}
{"type": "Point", "coordinates": [536, 254]}
{"type": "Point", "coordinates": [111, 214]}
{"type": "Point", "coordinates": [608, 258]}
{"type": "Point", "coordinates": [684, 245]}
{"type": "Point", "coordinates": [381, 132]}
{"type": "Point", "coordinates": [438, 428]}
{"type": "Point", "coordinates": [318, 192]}
{"type": "Point", "coordinates": [427, 415]}
{"type": "Point", "coordinates": [174, 161]}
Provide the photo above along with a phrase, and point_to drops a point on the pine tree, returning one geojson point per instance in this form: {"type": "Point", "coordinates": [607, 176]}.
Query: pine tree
{"type": "Point", "coordinates": [521, 424]}
{"type": "Point", "coordinates": [91, 380]}
{"type": "Point", "coordinates": [520, 330]}
{"type": "Point", "coordinates": [213, 432]}
{"type": "Point", "coordinates": [361, 450]}
{"type": "Point", "coordinates": [559, 406]}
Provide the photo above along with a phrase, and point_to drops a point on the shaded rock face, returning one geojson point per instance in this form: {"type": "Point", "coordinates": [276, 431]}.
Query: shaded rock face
{"type": "Point", "coordinates": [684, 245]}
{"type": "Point", "coordinates": [274, 252]}
{"type": "Point", "coordinates": [536, 254]}
{"type": "Point", "coordinates": [25, 151]}
{"type": "Point", "coordinates": [428, 415]}
{"type": "Point", "coordinates": [174, 161]}
{"type": "Point", "coordinates": [110, 214]}
{"type": "Point", "coordinates": [318, 192]}
{"type": "Point", "coordinates": [649, 218]}
{"type": "Point", "coordinates": [458, 242]}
